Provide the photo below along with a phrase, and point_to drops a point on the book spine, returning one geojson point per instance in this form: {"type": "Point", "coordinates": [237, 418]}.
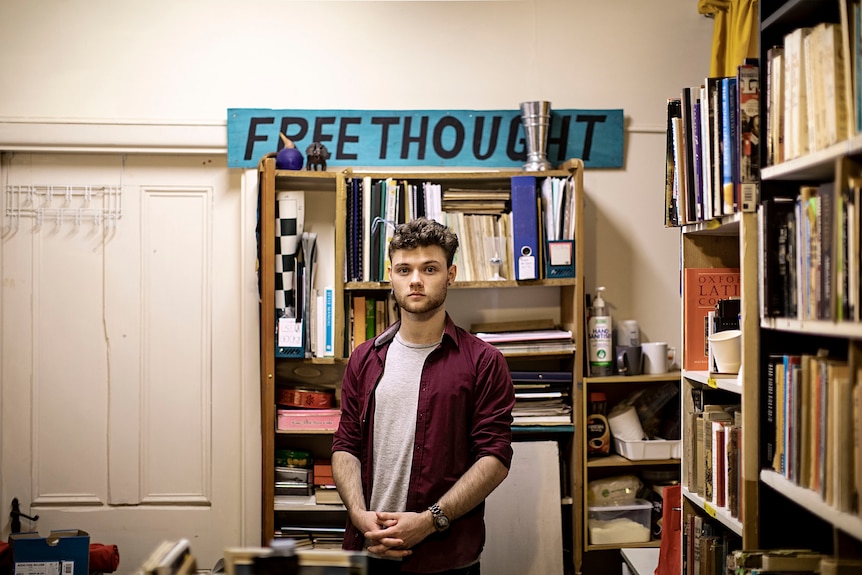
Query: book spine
{"type": "Point", "coordinates": [729, 140]}
{"type": "Point", "coordinates": [748, 136]}
{"type": "Point", "coordinates": [329, 341]}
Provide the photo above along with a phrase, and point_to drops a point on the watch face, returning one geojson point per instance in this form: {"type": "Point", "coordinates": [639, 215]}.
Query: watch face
{"type": "Point", "coordinates": [441, 522]}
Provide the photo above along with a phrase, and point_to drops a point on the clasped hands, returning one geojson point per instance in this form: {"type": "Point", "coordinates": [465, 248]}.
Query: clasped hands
{"type": "Point", "coordinates": [393, 534]}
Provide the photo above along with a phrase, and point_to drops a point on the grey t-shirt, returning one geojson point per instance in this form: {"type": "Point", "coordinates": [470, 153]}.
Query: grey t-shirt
{"type": "Point", "coordinates": [396, 400]}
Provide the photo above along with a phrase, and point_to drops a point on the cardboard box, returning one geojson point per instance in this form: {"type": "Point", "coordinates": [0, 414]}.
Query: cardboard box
{"type": "Point", "coordinates": [63, 552]}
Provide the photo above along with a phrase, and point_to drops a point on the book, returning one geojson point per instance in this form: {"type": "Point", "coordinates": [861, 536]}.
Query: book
{"type": "Point", "coordinates": [328, 322]}
{"type": "Point", "coordinates": [748, 135]}
{"type": "Point", "coordinates": [679, 179]}
{"type": "Point", "coordinates": [733, 443]}
{"type": "Point", "coordinates": [525, 227]}
{"type": "Point", "coordinates": [769, 409]}
{"type": "Point", "coordinates": [827, 228]}
{"type": "Point", "coordinates": [390, 209]}
{"type": "Point", "coordinates": [795, 100]}
{"type": "Point", "coordinates": [730, 145]}
{"type": "Point", "coordinates": [358, 316]}
{"type": "Point", "coordinates": [327, 496]}
{"type": "Point", "coordinates": [848, 181]}
{"type": "Point", "coordinates": [702, 289]}
{"type": "Point", "coordinates": [836, 105]}
{"type": "Point", "coordinates": [774, 120]}
{"type": "Point", "coordinates": [370, 318]}
{"type": "Point", "coordinates": [774, 233]}
{"type": "Point", "coordinates": [523, 336]}
{"type": "Point", "coordinates": [697, 150]}
{"type": "Point", "coordinates": [719, 463]}
{"type": "Point", "coordinates": [689, 97]}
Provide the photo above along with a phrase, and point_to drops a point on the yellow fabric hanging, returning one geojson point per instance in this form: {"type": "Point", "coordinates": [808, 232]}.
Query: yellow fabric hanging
{"type": "Point", "coordinates": [735, 35]}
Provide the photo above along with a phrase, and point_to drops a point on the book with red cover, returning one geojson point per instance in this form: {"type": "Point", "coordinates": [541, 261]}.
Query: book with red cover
{"type": "Point", "coordinates": [702, 289]}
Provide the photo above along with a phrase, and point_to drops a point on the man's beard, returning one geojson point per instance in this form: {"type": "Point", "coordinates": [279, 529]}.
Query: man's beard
{"type": "Point", "coordinates": [428, 304]}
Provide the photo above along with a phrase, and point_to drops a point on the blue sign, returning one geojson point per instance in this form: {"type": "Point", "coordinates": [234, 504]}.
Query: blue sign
{"type": "Point", "coordinates": [438, 138]}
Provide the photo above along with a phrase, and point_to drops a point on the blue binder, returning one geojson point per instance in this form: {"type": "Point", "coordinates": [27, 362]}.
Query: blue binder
{"type": "Point", "coordinates": [525, 227]}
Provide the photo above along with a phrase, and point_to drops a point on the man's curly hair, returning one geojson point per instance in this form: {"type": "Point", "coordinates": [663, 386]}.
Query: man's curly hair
{"type": "Point", "coordinates": [423, 232]}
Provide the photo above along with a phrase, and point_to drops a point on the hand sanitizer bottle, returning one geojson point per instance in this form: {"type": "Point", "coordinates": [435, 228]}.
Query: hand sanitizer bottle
{"type": "Point", "coordinates": [599, 332]}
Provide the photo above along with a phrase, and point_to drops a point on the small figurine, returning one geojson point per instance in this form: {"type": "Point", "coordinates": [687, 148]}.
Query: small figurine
{"type": "Point", "coordinates": [288, 158]}
{"type": "Point", "coordinates": [317, 156]}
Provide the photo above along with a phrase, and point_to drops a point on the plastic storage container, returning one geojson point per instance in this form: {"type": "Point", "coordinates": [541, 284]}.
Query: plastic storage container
{"type": "Point", "coordinates": [614, 524]}
{"type": "Point", "coordinates": [648, 449]}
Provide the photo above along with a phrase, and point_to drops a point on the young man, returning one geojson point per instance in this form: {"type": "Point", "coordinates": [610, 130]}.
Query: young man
{"type": "Point", "coordinates": [425, 433]}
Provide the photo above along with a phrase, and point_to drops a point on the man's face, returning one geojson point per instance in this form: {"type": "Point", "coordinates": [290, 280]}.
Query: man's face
{"type": "Point", "coordinates": [420, 278]}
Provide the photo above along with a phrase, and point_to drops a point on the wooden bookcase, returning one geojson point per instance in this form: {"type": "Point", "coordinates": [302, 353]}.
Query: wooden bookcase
{"type": "Point", "coordinates": [792, 512]}
{"type": "Point", "coordinates": [468, 302]}
{"type": "Point", "coordinates": [729, 242]}
{"type": "Point", "coordinates": [617, 388]}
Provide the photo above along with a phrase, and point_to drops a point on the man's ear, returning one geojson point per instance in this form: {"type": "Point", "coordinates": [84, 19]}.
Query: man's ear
{"type": "Point", "coordinates": [453, 271]}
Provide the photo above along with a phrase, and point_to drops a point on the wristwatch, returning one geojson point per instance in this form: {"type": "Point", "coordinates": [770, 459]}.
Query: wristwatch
{"type": "Point", "coordinates": [441, 522]}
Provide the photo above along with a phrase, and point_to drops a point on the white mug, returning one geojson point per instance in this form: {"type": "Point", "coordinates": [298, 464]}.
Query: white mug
{"type": "Point", "coordinates": [657, 357]}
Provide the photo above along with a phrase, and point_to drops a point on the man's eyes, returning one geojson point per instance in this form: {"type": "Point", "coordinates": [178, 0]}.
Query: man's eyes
{"type": "Point", "coordinates": [428, 270]}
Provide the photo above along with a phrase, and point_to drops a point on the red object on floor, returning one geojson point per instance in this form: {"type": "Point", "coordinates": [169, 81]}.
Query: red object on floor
{"type": "Point", "coordinates": [5, 558]}
{"type": "Point", "coordinates": [104, 558]}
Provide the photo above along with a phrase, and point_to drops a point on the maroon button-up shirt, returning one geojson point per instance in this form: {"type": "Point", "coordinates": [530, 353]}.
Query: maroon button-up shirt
{"type": "Point", "coordinates": [465, 413]}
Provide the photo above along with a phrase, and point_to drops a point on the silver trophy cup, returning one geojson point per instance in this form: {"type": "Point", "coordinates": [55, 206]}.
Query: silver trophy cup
{"type": "Point", "coordinates": [536, 119]}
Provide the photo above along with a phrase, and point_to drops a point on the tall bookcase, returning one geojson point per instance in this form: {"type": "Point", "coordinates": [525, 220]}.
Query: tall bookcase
{"type": "Point", "coordinates": [727, 242]}
{"type": "Point", "coordinates": [468, 303]}
{"type": "Point", "coordinates": [790, 495]}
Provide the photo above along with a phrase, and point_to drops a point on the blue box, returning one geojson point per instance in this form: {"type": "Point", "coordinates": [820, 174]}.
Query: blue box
{"type": "Point", "coordinates": [65, 552]}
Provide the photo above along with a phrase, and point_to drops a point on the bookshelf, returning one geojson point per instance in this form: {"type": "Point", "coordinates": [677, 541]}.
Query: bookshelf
{"type": "Point", "coordinates": [729, 241]}
{"type": "Point", "coordinates": [650, 471]}
{"type": "Point", "coordinates": [479, 300]}
{"type": "Point", "coordinates": [818, 484]}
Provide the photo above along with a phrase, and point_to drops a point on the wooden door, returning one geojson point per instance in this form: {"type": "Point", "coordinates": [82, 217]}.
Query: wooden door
{"type": "Point", "coordinates": [128, 301]}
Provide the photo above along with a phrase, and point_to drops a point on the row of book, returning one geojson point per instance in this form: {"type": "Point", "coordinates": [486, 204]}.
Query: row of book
{"type": "Point", "coordinates": [810, 252]}
{"type": "Point", "coordinates": [812, 93]}
{"type": "Point", "coordinates": [492, 223]}
{"type": "Point", "coordinates": [705, 547]}
{"type": "Point", "coordinates": [542, 398]}
{"type": "Point", "coordinates": [713, 148]}
{"type": "Point", "coordinates": [714, 457]}
{"type": "Point", "coordinates": [813, 435]}
{"type": "Point", "coordinates": [369, 316]}
{"type": "Point", "coordinates": [710, 551]}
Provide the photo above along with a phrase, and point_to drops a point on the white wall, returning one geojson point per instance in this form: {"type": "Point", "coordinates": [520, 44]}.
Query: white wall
{"type": "Point", "coordinates": [72, 67]}
{"type": "Point", "coordinates": [103, 75]}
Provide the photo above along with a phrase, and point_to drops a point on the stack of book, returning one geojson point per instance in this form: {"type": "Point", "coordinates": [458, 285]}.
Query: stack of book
{"type": "Point", "coordinates": [476, 200]}
{"type": "Point", "coordinates": [294, 486]}
{"type": "Point", "coordinates": [542, 398]}
{"type": "Point", "coordinates": [325, 492]}
{"type": "Point", "coordinates": [534, 341]}
{"type": "Point", "coordinates": [315, 536]}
